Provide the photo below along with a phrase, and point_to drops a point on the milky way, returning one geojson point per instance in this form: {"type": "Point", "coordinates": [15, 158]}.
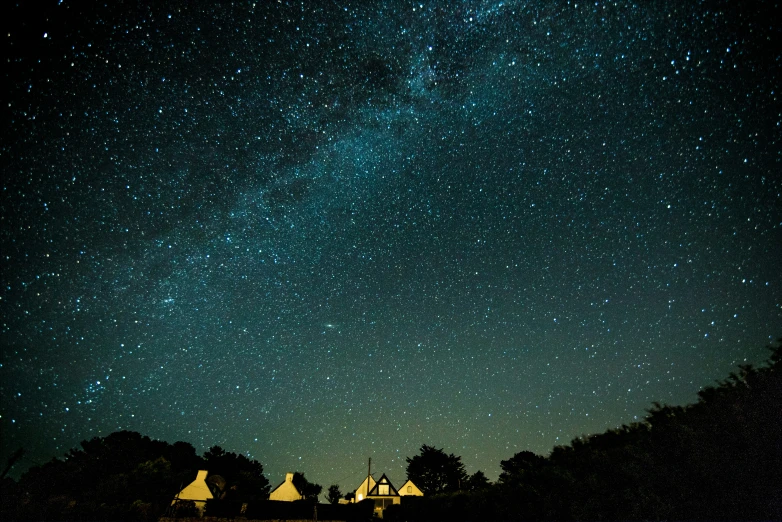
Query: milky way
{"type": "Point", "coordinates": [317, 232]}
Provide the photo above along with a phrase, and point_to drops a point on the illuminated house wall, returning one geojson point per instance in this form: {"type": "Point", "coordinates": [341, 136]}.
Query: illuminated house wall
{"type": "Point", "coordinates": [408, 488]}
{"type": "Point", "coordinates": [286, 491]}
{"type": "Point", "coordinates": [384, 494]}
{"type": "Point", "coordinates": [196, 491]}
{"type": "Point", "coordinates": [363, 490]}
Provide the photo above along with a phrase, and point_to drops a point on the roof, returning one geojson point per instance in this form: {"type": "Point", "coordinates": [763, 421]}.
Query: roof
{"type": "Point", "coordinates": [379, 491]}
{"type": "Point", "coordinates": [286, 490]}
{"type": "Point", "coordinates": [414, 490]}
{"type": "Point", "coordinates": [196, 490]}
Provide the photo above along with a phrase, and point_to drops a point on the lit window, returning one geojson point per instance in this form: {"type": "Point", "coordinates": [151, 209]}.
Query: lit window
{"type": "Point", "coordinates": [383, 489]}
{"type": "Point", "coordinates": [409, 490]}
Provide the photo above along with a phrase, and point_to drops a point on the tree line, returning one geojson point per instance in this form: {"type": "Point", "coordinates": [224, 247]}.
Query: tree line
{"type": "Point", "coordinates": [124, 476]}
{"type": "Point", "coordinates": [719, 458]}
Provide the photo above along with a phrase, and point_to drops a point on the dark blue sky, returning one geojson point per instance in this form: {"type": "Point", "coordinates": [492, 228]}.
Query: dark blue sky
{"type": "Point", "coordinates": [324, 231]}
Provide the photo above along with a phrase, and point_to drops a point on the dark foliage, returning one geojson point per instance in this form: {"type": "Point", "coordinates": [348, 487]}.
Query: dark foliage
{"type": "Point", "coordinates": [477, 482]}
{"type": "Point", "coordinates": [718, 459]}
{"type": "Point", "coordinates": [184, 509]}
{"type": "Point", "coordinates": [434, 471]}
{"type": "Point", "coordinates": [11, 462]}
{"type": "Point", "coordinates": [125, 476]}
{"type": "Point", "coordinates": [520, 465]}
{"type": "Point", "coordinates": [307, 489]}
{"type": "Point", "coordinates": [334, 494]}
{"type": "Point", "coordinates": [242, 479]}
{"type": "Point", "coordinates": [223, 508]}
{"type": "Point", "coordinates": [308, 510]}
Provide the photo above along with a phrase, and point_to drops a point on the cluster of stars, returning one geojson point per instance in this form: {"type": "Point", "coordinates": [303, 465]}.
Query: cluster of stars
{"type": "Point", "coordinates": [315, 233]}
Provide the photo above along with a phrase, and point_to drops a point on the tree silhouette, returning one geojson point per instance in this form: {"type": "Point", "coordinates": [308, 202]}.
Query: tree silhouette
{"type": "Point", "coordinates": [121, 476]}
{"type": "Point", "coordinates": [11, 462]}
{"type": "Point", "coordinates": [243, 478]}
{"type": "Point", "coordinates": [307, 489]}
{"type": "Point", "coordinates": [477, 482]}
{"type": "Point", "coordinates": [720, 458]}
{"type": "Point", "coordinates": [334, 494]}
{"type": "Point", "coordinates": [434, 471]}
{"type": "Point", "coordinates": [521, 463]}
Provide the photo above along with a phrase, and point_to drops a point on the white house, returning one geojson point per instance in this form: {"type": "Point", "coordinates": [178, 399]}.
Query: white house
{"type": "Point", "coordinates": [363, 490]}
{"type": "Point", "coordinates": [384, 494]}
{"type": "Point", "coordinates": [197, 491]}
{"type": "Point", "coordinates": [286, 491]}
{"type": "Point", "coordinates": [408, 488]}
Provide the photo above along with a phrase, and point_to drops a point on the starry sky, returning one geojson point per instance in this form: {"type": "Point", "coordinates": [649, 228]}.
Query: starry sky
{"type": "Point", "coordinates": [317, 232]}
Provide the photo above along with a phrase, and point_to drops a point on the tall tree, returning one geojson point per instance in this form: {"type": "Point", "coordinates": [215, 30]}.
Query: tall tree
{"type": "Point", "coordinates": [308, 490]}
{"type": "Point", "coordinates": [477, 482]}
{"type": "Point", "coordinates": [243, 478]}
{"type": "Point", "coordinates": [334, 494]}
{"type": "Point", "coordinates": [121, 475]}
{"type": "Point", "coordinates": [520, 464]}
{"type": "Point", "coordinates": [434, 471]}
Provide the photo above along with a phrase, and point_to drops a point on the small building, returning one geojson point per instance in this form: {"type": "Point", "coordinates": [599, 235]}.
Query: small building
{"type": "Point", "coordinates": [410, 489]}
{"type": "Point", "coordinates": [197, 492]}
{"type": "Point", "coordinates": [286, 491]}
{"type": "Point", "coordinates": [384, 494]}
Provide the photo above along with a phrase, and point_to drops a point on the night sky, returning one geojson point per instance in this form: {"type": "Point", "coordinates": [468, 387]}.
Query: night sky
{"type": "Point", "coordinates": [316, 232]}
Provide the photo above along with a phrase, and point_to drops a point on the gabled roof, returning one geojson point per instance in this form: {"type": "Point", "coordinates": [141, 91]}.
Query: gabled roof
{"type": "Point", "coordinates": [413, 489]}
{"type": "Point", "coordinates": [196, 490]}
{"type": "Point", "coordinates": [286, 491]}
{"type": "Point", "coordinates": [383, 481]}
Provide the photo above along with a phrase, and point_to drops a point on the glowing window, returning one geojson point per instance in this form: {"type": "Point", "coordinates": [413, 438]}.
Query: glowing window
{"type": "Point", "coordinates": [382, 489]}
{"type": "Point", "coordinates": [409, 490]}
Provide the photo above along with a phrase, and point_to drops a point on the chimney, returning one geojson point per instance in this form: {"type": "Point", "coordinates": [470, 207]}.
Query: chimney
{"type": "Point", "coordinates": [202, 473]}
{"type": "Point", "coordinates": [289, 477]}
